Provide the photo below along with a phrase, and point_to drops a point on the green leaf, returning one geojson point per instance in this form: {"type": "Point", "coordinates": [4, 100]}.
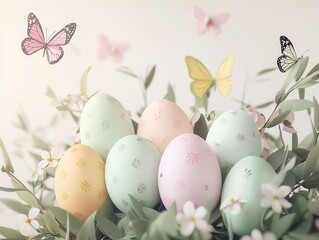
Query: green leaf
{"type": "Point", "coordinates": [15, 205]}
{"type": "Point", "coordinates": [316, 113]}
{"type": "Point", "coordinates": [107, 210]}
{"type": "Point", "coordinates": [264, 105]}
{"type": "Point", "coordinates": [84, 78]}
{"type": "Point", "coordinates": [140, 227]}
{"type": "Point", "coordinates": [276, 158]}
{"type": "Point", "coordinates": [61, 216]}
{"type": "Point", "coordinates": [308, 142]}
{"type": "Point", "coordinates": [150, 77]}
{"type": "Point", "coordinates": [150, 213]}
{"type": "Point", "coordinates": [87, 231]}
{"type": "Point", "coordinates": [278, 119]}
{"type": "Point", "coordinates": [50, 222]}
{"type": "Point", "coordinates": [313, 205]}
{"type": "Point", "coordinates": [128, 71]}
{"type": "Point", "coordinates": [26, 196]}
{"type": "Point", "coordinates": [303, 236]}
{"type": "Point", "coordinates": [108, 228]}
{"type": "Point", "coordinates": [295, 105]}
{"type": "Point", "coordinates": [11, 233]}
{"type": "Point", "coordinates": [137, 208]}
{"type": "Point", "coordinates": [280, 226]}
{"type": "Point", "coordinates": [5, 189]}
{"type": "Point", "coordinates": [279, 178]}
{"type": "Point", "coordinates": [311, 161]}
{"type": "Point", "coordinates": [170, 95]}
{"type": "Point", "coordinates": [297, 171]}
{"type": "Point", "coordinates": [6, 158]}
{"type": "Point", "coordinates": [67, 234]}
{"type": "Point", "coordinates": [201, 128]}
{"type": "Point", "coordinates": [265, 71]}
{"type": "Point", "coordinates": [22, 123]}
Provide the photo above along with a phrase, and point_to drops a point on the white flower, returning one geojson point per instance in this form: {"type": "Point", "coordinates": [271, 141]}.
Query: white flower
{"type": "Point", "coordinates": [50, 160]}
{"type": "Point", "coordinates": [37, 174]}
{"type": "Point", "coordinates": [29, 224]}
{"type": "Point", "coordinates": [257, 235]}
{"type": "Point", "coordinates": [232, 205]}
{"type": "Point", "coordinates": [193, 218]}
{"type": "Point", "coordinates": [275, 197]}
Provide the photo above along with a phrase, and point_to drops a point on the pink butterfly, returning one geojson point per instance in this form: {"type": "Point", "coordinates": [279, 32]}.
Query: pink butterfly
{"type": "Point", "coordinates": [204, 22]}
{"type": "Point", "coordinates": [52, 48]}
{"type": "Point", "coordinates": [108, 49]}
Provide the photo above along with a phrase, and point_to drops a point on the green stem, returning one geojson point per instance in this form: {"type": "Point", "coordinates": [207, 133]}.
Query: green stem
{"type": "Point", "coordinates": [306, 180]}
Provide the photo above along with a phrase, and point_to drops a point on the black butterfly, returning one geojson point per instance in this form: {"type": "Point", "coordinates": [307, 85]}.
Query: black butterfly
{"type": "Point", "coordinates": [289, 57]}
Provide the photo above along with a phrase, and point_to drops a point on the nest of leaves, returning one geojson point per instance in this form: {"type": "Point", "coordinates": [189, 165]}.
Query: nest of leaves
{"type": "Point", "coordinates": [296, 163]}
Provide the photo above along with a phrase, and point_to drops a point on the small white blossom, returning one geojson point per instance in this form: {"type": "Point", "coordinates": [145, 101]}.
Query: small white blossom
{"type": "Point", "coordinates": [232, 205]}
{"type": "Point", "coordinates": [275, 197]}
{"type": "Point", "coordinates": [50, 160]}
{"type": "Point", "coordinates": [193, 218]}
{"type": "Point", "coordinates": [256, 234]}
{"type": "Point", "coordinates": [29, 223]}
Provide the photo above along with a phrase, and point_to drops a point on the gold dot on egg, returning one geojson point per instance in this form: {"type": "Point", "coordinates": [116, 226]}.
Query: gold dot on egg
{"type": "Point", "coordinates": [161, 175]}
{"type": "Point", "coordinates": [253, 134]}
{"type": "Point", "coordinates": [206, 187]}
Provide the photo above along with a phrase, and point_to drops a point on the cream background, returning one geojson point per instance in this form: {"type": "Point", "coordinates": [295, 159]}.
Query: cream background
{"type": "Point", "coordinates": [161, 33]}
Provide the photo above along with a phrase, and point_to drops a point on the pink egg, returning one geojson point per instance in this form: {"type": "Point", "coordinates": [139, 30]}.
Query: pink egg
{"type": "Point", "coordinates": [161, 122]}
{"type": "Point", "coordinates": [189, 171]}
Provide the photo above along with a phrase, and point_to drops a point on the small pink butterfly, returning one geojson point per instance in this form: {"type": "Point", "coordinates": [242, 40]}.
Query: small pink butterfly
{"type": "Point", "coordinates": [52, 48]}
{"type": "Point", "coordinates": [108, 49]}
{"type": "Point", "coordinates": [204, 22]}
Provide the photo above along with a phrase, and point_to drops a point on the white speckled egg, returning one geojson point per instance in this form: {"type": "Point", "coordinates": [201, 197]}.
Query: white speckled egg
{"type": "Point", "coordinates": [233, 136]}
{"type": "Point", "coordinates": [131, 168]}
{"type": "Point", "coordinates": [79, 181]}
{"type": "Point", "coordinates": [189, 171]}
{"type": "Point", "coordinates": [104, 121]}
{"type": "Point", "coordinates": [162, 121]}
{"type": "Point", "coordinates": [244, 180]}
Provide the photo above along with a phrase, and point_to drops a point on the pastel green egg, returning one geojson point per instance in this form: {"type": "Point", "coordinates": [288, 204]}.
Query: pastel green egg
{"type": "Point", "coordinates": [244, 180]}
{"type": "Point", "coordinates": [104, 121]}
{"type": "Point", "coordinates": [131, 169]}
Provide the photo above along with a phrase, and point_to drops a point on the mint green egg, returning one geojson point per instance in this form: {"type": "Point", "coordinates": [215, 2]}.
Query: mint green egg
{"type": "Point", "coordinates": [244, 180]}
{"type": "Point", "coordinates": [131, 169]}
{"type": "Point", "coordinates": [103, 122]}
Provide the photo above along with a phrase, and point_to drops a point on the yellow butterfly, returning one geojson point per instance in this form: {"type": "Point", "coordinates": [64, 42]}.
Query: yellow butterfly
{"type": "Point", "coordinates": [203, 80]}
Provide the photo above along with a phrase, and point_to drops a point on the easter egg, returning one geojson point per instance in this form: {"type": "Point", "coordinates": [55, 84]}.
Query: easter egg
{"type": "Point", "coordinates": [189, 171]}
{"type": "Point", "coordinates": [79, 182]}
{"type": "Point", "coordinates": [244, 180]}
{"type": "Point", "coordinates": [131, 169]}
{"type": "Point", "coordinates": [161, 122]}
{"type": "Point", "coordinates": [233, 136]}
{"type": "Point", "coordinates": [104, 121]}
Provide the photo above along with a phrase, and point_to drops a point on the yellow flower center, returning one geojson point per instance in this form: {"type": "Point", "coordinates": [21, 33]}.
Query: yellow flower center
{"type": "Point", "coordinates": [28, 221]}
{"type": "Point", "coordinates": [275, 197]}
{"type": "Point", "coordinates": [232, 200]}
{"type": "Point", "coordinates": [28, 238]}
{"type": "Point", "coordinates": [50, 159]}
{"type": "Point", "coordinates": [191, 218]}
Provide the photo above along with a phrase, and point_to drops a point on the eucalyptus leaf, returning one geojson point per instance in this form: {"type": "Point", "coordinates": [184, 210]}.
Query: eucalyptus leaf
{"type": "Point", "coordinates": [265, 71]}
{"type": "Point", "coordinates": [108, 228]}
{"type": "Point", "coordinates": [10, 233]}
{"type": "Point", "coordinates": [264, 105]}
{"type": "Point", "coordinates": [128, 71]}
{"type": "Point", "coordinates": [6, 158]}
{"type": "Point", "coordinates": [303, 236]}
{"type": "Point", "coordinates": [170, 95]}
{"type": "Point", "coordinates": [280, 225]}
{"type": "Point", "coordinates": [313, 205]}
{"type": "Point", "coordinates": [87, 231]}
{"type": "Point", "coordinates": [311, 161]}
{"type": "Point", "coordinates": [107, 210]}
{"type": "Point", "coordinates": [308, 142]}
{"type": "Point", "coordinates": [26, 196]}
{"type": "Point", "coordinates": [279, 178]}
{"type": "Point", "coordinates": [50, 93]}
{"type": "Point", "coordinates": [5, 189]}
{"type": "Point", "coordinates": [201, 128]}
{"type": "Point", "coordinates": [295, 105]}
{"type": "Point", "coordinates": [137, 208]}
{"type": "Point", "coordinates": [316, 113]}
{"type": "Point", "coordinates": [278, 119]}
{"type": "Point", "coordinates": [307, 79]}
{"type": "Point", "coordinates": [140, 227]}
{"type": "Point", "coordinates": [276, 158]}
{"type": "Point", "coordinates": [50, 222]}
{"type": "Point", "coordinates": [67, 234]}
{"type": "Point", "coordinates": [295, 72]}
{"type": "Point", "coordinates": [150, 213]}
{"type": "Point", "coordinates": [61, 216]}
{"type": "Point", "coordinates": [22, 124]}
{"type": "Point", "coordinates": [149, 77]}
{"type": "Point", "coordinates": [15, 205]}
{"type": "Point", "coordinates": [294, 140]}
{"type": "Point", "coordinates": [83, 82]}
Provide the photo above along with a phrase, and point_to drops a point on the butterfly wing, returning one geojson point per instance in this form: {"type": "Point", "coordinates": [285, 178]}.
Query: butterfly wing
{"type": "Point", "coordinates": [106, 47]}
{"type": "Point", "coordinates": [202, 79]}
{"type": "Point", "coordinates": [224, 72]}
{"type": "Point", "coordinates": [36, 40]}
{"type": "Point", "coordinates": [215, 22]}
{"type": "Point", "coordinates": [53, 48]}
{"type": "Point", "coordinates": [119, 51]}
{"type": "Point", "coordinates": [289, 57]}
{"type": "Point", "coordinates": [201, 19]}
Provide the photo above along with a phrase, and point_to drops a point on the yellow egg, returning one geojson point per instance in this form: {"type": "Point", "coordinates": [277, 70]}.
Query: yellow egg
{"type": "Point", "coordinates": [80, 187]}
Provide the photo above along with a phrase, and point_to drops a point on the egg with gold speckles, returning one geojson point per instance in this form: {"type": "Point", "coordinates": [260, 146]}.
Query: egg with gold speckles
{"type": "Point", "coordinates": [244, 180]}
{"type": "Point", "coordinates": [104, 121]}
{"type": "Point", "coordinates": [189, 171]}
{"type": "Point", "coordinates": [80, 187]}
{"type": "Point", "coordinates": [162, 121]}
{"type": "Point", "coordinates": [232, 136]}
{"type": "Point", "coordinates": [131, 168]}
